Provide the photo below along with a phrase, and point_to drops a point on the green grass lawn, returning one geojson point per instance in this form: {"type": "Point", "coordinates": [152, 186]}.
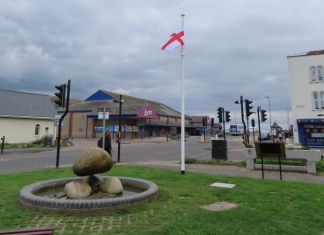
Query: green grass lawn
{"type": "Point", "coordinates": [263, 206]}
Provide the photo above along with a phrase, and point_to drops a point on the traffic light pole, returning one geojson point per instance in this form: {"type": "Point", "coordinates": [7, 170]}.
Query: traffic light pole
{"type": "Point", "coordinates": [223, 112]}
{"type": "Point", "coordinates": [248, 113]}
{"type": "Point", "coordinates": [248, 131]}
{"type": "Point", "coordinates": [120, 127]}
{"type": "Point", "coordinates": [60, 123]}
{"type": "Point", "coordinates": [259, 132]}
{"type": "Point", "coordinates": [205, 121]}
{"type": "Point", "coordinates": [242, 115]}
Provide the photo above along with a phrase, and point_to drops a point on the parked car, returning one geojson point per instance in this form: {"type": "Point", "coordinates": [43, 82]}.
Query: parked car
{"type": "Point", "coordinates": [264, 136]}
{"type": "Point", "coordinates": [219, 133]}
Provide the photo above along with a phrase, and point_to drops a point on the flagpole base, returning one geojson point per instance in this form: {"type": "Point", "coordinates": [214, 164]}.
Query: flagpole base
{"type": "Point", "coordinates": [182, 172]}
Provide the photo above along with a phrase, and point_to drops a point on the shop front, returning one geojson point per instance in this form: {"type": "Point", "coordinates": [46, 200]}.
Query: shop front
{"type": "Point", "coordinates": [311, 132]}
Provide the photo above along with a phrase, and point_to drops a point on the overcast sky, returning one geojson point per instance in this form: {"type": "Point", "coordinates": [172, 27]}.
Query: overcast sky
{"type": "Point", "coordinates": [233, 48]}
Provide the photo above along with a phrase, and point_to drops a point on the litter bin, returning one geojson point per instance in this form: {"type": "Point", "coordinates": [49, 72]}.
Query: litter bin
{"type": "Point", "coordinates": [219, 149]}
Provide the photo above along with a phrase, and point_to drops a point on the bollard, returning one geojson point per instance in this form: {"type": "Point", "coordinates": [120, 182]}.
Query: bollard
{"type": "Point", "coordinates": [2, 145]}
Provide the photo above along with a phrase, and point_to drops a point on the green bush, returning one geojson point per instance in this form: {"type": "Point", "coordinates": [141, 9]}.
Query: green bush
{"type": "Point", "coordinates": [190, 160]}
{"type": "Point", "coordinates": [320, 166]}
{"type": "Point", "coordinates": [214, 162]}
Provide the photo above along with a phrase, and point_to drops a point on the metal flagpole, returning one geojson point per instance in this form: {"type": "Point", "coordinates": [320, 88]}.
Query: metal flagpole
{"type": "Point", "coordinates": [182, 54]}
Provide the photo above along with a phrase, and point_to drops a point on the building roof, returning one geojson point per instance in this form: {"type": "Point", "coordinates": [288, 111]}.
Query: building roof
{"type": "Point", "coordinates": [131, 105]}
{"type": "Point", "coordinates": [318, 52]}
{"type": "Point", "coordinates": [15, 103]}
{"type": "Point", "coordinates": [315, 52]}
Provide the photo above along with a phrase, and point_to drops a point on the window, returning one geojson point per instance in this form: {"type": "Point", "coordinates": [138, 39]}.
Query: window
{"type": "Point", "coordinates": [322, 99]}
{"type": "Point", "coordinates": [315, 100]}
{"type": "Point", "coordinates": [312, 72]}
{"type": "Point", "coordinates": [37, 129]}
{"type": "Point", "coordinates": [316, 74]}
{"type": "Point", "coordinates": [320, 73]}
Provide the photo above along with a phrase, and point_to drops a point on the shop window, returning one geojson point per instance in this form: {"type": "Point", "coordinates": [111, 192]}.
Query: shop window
{"type": "Point", "coordinates": [37, 129]}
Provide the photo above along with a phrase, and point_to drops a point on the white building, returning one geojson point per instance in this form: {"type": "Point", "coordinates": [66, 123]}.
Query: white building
{"type": "Point", "coordinates": [307, 97]}
{"type": "Point", "coordinates": [25, 117]}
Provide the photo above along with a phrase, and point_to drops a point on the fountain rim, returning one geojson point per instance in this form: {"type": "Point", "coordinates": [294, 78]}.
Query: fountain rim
{"type": "Point", "coordinates": [34, 202]}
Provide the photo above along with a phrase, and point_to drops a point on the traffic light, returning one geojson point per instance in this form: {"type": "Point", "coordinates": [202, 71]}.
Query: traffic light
{"type": "Point", "coordinates": [248, 108]}
{"type": "Point", "coordinates": [227, 116]}
{"type": "Point", "coordinates": [212, 122]}
{"type": "Point", "coordinates": [263, 115]}
{"type": "Point", "coordinates": [253, 122]}
{"type": "Point", "coordinates": [220, 114]}
{"type": "Point", "coordinates": [61, 95]}
{"type": "Point", "coordinates": [203, 121]}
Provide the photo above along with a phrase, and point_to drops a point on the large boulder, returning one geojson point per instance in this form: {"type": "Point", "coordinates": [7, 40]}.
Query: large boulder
{"type": "Point", "coordinates": [112, 186]}
{"type": "Point", "coordinates": [76, 190]}
{"type": "Point", "coordinates": [92, 161]}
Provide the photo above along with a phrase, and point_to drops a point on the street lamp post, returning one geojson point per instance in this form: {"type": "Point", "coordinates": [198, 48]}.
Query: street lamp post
{"type": "Point", "coordinates": [120, 101]}
{"type": "Point", "coordinates": [288, 122]}
{"type": "Point", "coordinates": [267, 97]}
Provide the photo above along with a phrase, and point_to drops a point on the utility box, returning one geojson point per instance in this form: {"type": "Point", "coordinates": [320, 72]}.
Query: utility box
{"type": "Point", "coordinates": [219, 149]}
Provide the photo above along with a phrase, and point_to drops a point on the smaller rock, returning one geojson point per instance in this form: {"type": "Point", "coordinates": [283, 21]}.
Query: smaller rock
{"type": "Point", "coordinates": [112, 186]}
{"type": "Point", "coordinates": [94, 181]}
{"type": "Point", "coordinates": [76, 190]}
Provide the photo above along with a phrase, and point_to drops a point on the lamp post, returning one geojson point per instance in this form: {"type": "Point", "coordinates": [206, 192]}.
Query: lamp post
{"type": "Point", "coordinates": [288, 122]}
{"type": "Point", "coordinates": [120, 101]}
{"type": "Point", "coordinates": [267, 97]}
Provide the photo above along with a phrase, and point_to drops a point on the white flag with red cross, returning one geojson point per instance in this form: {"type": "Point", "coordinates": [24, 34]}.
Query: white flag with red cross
{"type": "Point", "coordinates": [175, 40]}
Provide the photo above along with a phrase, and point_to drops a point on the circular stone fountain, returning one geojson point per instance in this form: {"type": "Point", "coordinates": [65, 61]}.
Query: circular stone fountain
{"type": "Point", "coordinates": [50, 196]}
{"type": "Point", "coordinates": [28, 197]}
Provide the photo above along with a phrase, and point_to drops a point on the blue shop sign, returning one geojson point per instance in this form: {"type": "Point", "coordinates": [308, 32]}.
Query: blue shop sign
{"type": "Point", "coordinates": [318, 142]}
{"type": "Point", "coordinates": [98, 129]}
{"type": "Point", "coordinates": [310, 120]}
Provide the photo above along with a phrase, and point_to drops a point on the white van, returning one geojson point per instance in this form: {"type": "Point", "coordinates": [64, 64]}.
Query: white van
{"type": "Point", "coordinates": [273, 133]}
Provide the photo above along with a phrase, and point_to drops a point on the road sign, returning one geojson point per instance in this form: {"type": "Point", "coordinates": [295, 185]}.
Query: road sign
{"type": "Point", "coordinates": [57, 120]}
{"type": "Point", "coordinates": [101, 115]}
{"type": "Point", "coordinates": [57, 117]}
